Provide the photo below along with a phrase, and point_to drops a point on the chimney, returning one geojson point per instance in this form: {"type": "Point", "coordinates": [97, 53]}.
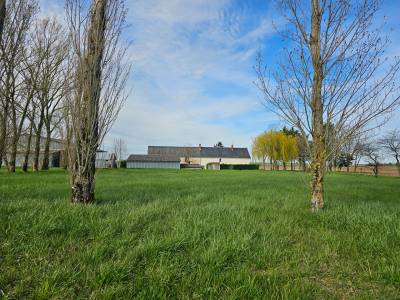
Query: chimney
{"type": "Point", "coordinates": [232, 147]}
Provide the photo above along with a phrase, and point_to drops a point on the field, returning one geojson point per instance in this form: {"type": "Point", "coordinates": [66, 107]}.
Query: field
{"type": "Point", "coordinates": [199, 234]}
{"type": "Point", "coordinates": [384, 170]}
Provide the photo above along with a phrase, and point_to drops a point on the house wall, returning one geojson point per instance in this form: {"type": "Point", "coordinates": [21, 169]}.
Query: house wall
{"type": "Point", "coordinates": [152, 165]}
{"type": "Point", "coordinates": [54, 143]}
{"type": "Point", "coordinates": [100, 162]}
{"type": "Point", "coordinates": [228, 161]}
{"type": "Point", "coordinates": [21, 157]}
{"type": "Point", "coordinates": [193, 160]}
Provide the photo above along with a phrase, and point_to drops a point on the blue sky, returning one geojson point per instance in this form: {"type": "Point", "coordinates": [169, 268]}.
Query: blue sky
{"type": "Point", "coordinates": [192, 79]}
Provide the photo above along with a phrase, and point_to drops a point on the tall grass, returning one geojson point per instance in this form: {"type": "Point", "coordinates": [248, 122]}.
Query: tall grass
{"type": "Point", "coordinates": [199, 234]}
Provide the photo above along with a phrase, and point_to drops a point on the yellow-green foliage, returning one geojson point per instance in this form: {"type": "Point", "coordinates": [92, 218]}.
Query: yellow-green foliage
{"type": "Point", "coordinates": [276, 145]}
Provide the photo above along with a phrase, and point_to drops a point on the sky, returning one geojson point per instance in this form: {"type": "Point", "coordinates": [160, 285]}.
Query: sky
{"type": "Point", "coordinates": [193, 80]}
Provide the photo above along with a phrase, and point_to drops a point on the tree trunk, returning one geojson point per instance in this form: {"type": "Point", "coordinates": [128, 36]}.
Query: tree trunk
{"type": "Point", "coordinates": [83, 184]}
{"type": "Point", "coordinates": [318, 157]}
{"type": "Point", "coordinates": [3, 134]}
{"type": "Point", "coordinates": [13, 154]}
{"type": "Point", "coordinates": [46, 154]}
{"type": "Point", "coordinates": [83, 175]}
{"type": "Point", "coordinates": [2, 17]}
{"type": "Point", "coordinates": [36, 154]}
{"type": "Point", "coordinates": [28, 150]}
{"type": "Point", "coordinates": [14, 143]}
{"type": "Point", "coordinates": [376, 170]}
{"type": "Point", "coordinates": [398, 163]}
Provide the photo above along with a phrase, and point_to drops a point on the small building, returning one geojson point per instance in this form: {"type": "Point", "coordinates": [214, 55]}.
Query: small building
{"type": "Point", "coordinates": [102, 159]}
{"type": "Point", "coordinates": [137, 161]}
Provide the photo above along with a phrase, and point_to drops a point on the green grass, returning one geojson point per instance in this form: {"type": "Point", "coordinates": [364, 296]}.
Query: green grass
{"type": "Point", "coordinates": [199, 234]}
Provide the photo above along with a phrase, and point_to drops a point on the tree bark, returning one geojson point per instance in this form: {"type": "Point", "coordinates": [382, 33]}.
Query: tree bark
{"type": "Point", "coordinates": [14, 142]}
{"type": "Point", "coordinates": [83, 184]}
{"type": "Point", "coordinates": [2, 16]}
{"type": "Point", "coordinates": [3, 133]}
{"type": "Point", "coordinates": [318, 157]}
{"type": "Point", "coordinates": [13, 154]}
{"type": "Point", "coordinates": [398, 163]}
{"type": "Point", "coordinates": [46, 154]}
{"type": "Point", "coordinates": [38, 133]}
{"type": "Point", "coordinates": [376, 170]}
{"type": "Point", "coordinates": [28, 150]}
{"type": "Point", "coordinates": [83, 176]}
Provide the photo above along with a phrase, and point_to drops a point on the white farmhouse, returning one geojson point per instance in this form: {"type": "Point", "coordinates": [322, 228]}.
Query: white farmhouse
{"type": "Point", "coordinates": [167, 156]}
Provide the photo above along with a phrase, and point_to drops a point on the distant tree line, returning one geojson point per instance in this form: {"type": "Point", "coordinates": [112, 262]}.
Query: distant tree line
{"type": "Point", "coordinates": [286, 146]}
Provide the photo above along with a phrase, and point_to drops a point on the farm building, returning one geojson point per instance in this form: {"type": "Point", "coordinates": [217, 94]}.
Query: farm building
{"type": "Point", "coordinates": [57, 157]}
{"type": "Point", "coordinates": [160, 156]}
{"type": "Point", "coordinates": [56, 148]}
{"type": "Point", "coordinates": [152, 162]}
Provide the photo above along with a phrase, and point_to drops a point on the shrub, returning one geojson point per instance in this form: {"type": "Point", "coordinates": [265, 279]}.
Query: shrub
{"type": "Point", "coordinates": [123, 164]}
{"type": "Point", "coordinates": [240, 167]}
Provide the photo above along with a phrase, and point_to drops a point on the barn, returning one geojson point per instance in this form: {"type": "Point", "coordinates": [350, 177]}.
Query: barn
{"type": "Point", "coordinates": [138, 161]}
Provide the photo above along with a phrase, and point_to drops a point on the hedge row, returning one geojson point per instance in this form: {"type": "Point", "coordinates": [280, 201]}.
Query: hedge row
{"type": "Point", "coordinates": [240, 167]}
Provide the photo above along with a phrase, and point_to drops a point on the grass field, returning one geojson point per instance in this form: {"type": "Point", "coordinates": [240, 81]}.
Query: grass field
{"type": "Point", "coordinates": [199, 234]}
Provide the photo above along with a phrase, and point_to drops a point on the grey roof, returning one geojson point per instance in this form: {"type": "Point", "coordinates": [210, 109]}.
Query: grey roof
{"type": "Point", "coordinates": [153, 158]}
{"type": "Point", "coordinates": [223, 152]}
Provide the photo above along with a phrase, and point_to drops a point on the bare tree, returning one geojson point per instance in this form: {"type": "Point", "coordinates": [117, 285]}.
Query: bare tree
{"type": "Point", "coordinates": [101, 74]}
{"type": "Point", "coordinates": [391, 143]}
{"type": "Point", "coordinates": [335, 73]}
{"type": "Point", "coordinates": [53, 46]}
{"type": "Point", "coordinates": [28, 145]}
{"type": "Point", "coordinates": [3, 119]}
{"type": "Point", "coordinates": [358, 151]}
{"type": "Point", "coordinates": [352, 148]}
{"type": "Point", "coordinates": [119, 148]}
{"type": "Point", "coordinates": [372, 154]}
{"type": "Point", "coordinates": [14, 102]}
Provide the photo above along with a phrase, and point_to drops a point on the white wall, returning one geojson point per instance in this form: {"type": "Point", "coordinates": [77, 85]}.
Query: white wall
{"type": "Point", "coordinates": [152, 165]}
{"type": "Point", "coordinates": [20, 158]}
{"type": "Point", "coordinates": [229, 161]}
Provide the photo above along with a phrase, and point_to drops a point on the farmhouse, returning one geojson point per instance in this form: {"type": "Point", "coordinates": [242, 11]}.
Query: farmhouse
{"type": "Point", "coordinates": [176, 157]}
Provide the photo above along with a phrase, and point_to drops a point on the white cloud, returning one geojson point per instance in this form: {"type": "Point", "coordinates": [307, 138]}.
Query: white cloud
{"type": "Point", "coordinates": [192, 76]}
{"type": "Point", "coordinates": [181, 49]}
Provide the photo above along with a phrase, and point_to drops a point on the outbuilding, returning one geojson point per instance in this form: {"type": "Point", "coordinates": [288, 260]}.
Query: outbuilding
{"type": "Point", "coordinates": [137, 161]}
